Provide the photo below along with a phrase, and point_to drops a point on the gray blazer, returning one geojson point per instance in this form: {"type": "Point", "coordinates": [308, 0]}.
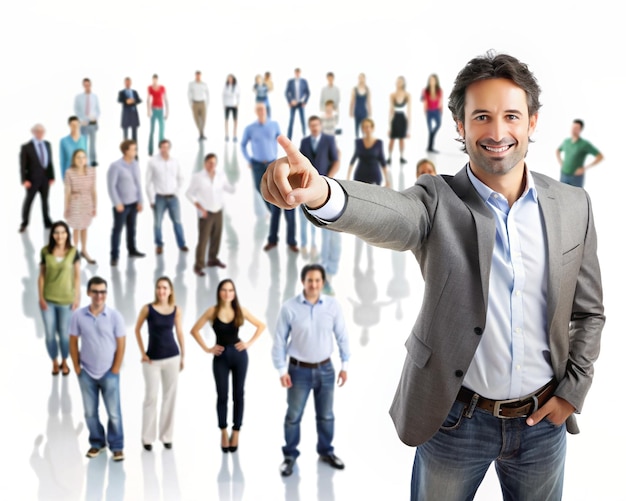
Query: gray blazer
{"type": "Point", "coordinates": [451, 232]}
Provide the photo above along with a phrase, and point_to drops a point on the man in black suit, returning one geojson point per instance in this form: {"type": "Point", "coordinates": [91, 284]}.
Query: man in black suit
{"type": "Point", "coordinates": [129, 98]}
{"type": "Point", "coordinates": [37, 174]}
{"type": "Point", "coordinates": [321, 150]}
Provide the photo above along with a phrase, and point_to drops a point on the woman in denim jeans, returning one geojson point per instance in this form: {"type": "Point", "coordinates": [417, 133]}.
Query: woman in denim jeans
{"type": "Point", "coordinates": [230, 355]}
{"type": "Point", "coordinates": [59, 292]}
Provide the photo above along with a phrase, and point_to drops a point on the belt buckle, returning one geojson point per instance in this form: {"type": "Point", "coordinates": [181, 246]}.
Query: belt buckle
{"type": "Point", "coordinates": [499, 403]}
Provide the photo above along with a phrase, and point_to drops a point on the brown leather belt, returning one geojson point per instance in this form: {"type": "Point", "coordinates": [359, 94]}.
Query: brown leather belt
{"type": "Point", "coordinates": [506, 409]}
{"type": "Point", "coordinates": [308, 365]}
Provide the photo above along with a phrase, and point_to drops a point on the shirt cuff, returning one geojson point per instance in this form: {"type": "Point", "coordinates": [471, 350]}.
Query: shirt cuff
{"type": "Point", "coordinates": [335, 205]}
{"type": "Point", "coordinates": [282, 371]}
{"type": "Point", "coordinates": [344, 366]}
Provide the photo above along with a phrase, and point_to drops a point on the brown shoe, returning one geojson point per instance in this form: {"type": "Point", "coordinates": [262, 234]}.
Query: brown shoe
{"type": "Point", "coordinates": [184, 248]}
{"type": "Point", "coordinates": [294, 248]}
{"type": "Point", "coordinates": [198, 271]}
{"type": "Point", "coordinates": [94, 451]}
{"type": "Point", "coordinates": [269, 246]}
{"type": "Point", "coordinates": [159, 250]}
{"type": "Point", "coordinates": [215, 262]}
{"type": "Point", "coordinates": [118, 455]}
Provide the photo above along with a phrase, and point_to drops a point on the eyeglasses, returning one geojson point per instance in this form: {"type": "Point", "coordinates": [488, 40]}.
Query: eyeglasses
{"type": "Point", "coordinates": [98, 291]}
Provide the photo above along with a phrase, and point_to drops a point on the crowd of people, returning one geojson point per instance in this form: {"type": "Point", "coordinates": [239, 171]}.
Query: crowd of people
{"type": "Point", "coordinates": [93, 336]}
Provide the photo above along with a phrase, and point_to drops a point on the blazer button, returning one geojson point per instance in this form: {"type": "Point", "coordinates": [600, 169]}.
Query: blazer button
{"type": "Point", "coordinates": [458, 373]}
{"type": "Point", "coordinates": [478, 331]}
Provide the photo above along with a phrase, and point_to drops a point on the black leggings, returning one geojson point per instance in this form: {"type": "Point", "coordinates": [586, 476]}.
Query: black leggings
{"type": "Point", "coordinates": [236, 362]}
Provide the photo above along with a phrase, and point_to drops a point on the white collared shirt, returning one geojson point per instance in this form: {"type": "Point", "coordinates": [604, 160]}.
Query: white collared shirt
{"type": "Point", "coordinates": [198, 91]}
{"type": "Point", "coordinates": [209, 193]}
{"type": "Point", "coordinates": [163, 177]}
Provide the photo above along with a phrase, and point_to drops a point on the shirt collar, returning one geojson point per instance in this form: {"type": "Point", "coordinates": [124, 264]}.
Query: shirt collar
{"type": "Point", "coordinates": [302, 299]}
{"type": "Point", "coordinates": [485, 192]}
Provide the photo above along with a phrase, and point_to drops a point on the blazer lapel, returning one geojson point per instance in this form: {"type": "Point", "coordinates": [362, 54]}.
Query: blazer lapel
{"type": "Point", "coordinates": [484, 225]}
{"type": "Point", "coordinates": [549, 207]}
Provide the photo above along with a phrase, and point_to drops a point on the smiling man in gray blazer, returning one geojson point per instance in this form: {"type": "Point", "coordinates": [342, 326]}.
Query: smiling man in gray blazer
{"type": "Point", "coordinates": [501, 355]}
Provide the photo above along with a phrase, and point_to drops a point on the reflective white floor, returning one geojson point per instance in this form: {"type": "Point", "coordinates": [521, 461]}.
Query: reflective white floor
{"type": "Point", "coordinates": [45, 436]}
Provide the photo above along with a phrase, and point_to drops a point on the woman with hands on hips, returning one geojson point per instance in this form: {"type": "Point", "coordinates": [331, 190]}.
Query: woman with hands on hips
{"type": "Point", "coordinates": [161, 362]}
{"type": "Point", "coordinates": [230, 355]}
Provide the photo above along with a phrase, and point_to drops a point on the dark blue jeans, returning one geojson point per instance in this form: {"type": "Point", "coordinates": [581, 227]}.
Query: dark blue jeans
{"type": "Point", "coordinates": [232, 362]}
{"type": "Point", "coordinates": [292, 112]}
{"type": "Point", "coordinates": [290, 218]}
{"type": "Point", "coordinates": [433, 121]}
{"type": "Point", "coordinates": [529, 460]}
{"type": "Point", "coordinates": [322, 382]}
{"type": "Point", "coordinates": [128, 218]}
{"type": "Point", "coordinates": [258, 169]}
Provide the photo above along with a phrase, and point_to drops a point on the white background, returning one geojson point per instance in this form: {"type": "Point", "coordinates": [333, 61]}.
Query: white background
{"type": "Point", "coordinates": [574, 49]}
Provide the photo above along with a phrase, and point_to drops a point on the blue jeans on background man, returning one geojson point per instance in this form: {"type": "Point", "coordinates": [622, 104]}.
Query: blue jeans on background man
{"type": "Point", "coordinates": [572, 180]}
{"type": "Point", "coordinates": [290, 217]}
{"type": "Point", "coordinates": [172, 205]}
{"type": "Point", "coordinates": [236, 362]}
{"type": "Point", "coordinates": [305, 227]}
{"type": "Point", "coordinates": [156, 116]}
{"type": "Point", "coordinates": [292, 112]}
{"type": "Point", "coordinates": [109, 386]}
{"type": "Point", "coordinates": [56, 320]}
{"type": "Point", "coordinates": [89, 131]}
{"type": "Point", "coordinates": [433, 121]}
{"type": "Point", "coordinates": [331, 251]}
{"type": "Point", "coordinates": [322, 382]}
{"type": "Point", "coordinates": [258, 169]}
{"type": "Point", "coordinates": [529, 460]}
{"type": "Point", "coordinates": [128, 218]}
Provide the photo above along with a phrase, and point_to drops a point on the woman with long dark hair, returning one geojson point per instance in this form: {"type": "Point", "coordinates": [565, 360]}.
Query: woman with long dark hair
{"type": "Point", "coordinates": [230, 355]}
{"type": "Point", "coordinates": [59, 292]}
{"type": "Point", "coordinates": [161, 362]}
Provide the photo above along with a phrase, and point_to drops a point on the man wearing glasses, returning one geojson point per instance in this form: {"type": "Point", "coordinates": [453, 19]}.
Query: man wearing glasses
{"type": "Point", "coordinates": [97, 365]}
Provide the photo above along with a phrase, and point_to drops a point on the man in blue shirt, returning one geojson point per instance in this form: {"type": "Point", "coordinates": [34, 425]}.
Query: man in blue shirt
{"type": "Point", "coordinates": [297, 94]}
{"type": "Point", "coordinates": [262, 136]}
{"type": "Point", "coordinates": [97, 364]}
{"type": "Point", "coordinates": [124, 185]}
{"type": "Point", "coordinates": [303, 344]}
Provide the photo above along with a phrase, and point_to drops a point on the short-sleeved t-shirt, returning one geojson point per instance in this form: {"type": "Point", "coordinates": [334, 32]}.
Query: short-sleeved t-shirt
{"type": "Point", "coordinates": [574, 154]}
{"type": "Point", "coordinates": [98, 338]}
{"type": "Point", "coordinates": [157, 96]}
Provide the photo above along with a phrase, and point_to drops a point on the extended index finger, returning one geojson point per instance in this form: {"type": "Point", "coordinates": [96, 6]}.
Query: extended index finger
{"type": "Point", "coordinates": [292, 152]}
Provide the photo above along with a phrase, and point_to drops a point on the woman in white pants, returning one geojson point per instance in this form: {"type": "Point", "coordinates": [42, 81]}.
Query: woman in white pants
{"type": "Point", "coordinates": [161, 362]}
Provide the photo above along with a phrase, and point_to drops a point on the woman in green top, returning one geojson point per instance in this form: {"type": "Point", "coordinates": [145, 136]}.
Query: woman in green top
{"type": "Point", "coordinates": [59, 289]}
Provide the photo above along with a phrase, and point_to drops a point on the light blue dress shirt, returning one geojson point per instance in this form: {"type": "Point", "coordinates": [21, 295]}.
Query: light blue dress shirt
{"type": "Point", "coordinates": [513, 357]}
{"type": "Point", "coordinates": [124, 182]}
{"type": "Point", "coordinates": [262, 139]}
{"type": "Point", "coordinates": [80, 107]}
{"type": "Point", "coordinates": [305, 332]}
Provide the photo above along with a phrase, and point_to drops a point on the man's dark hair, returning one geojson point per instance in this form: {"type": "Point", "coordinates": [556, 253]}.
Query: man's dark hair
{"type": "Point", "coordinates": [95, 280]}
{"type": "Point", "coordinates": [312, 267]}
{"type": "Point", "coordinates": [126, 144]}
{"type": "Point", "coordinates": [493, 65]}
{"type": "Point", "coordinates": [579, 122]}
{"type": "Point", "coordinates": [72, 118]}
{"type": "Point", "coordinates": [163, 141]}
{"type": "Point", "coordinates": [209, 156]}
{"type": "Point", "coordinates": [86, 80]}
{"type": "Point", "coordinates": [330, 74]}
{"type": "Point", "coordinates": [313, 118]}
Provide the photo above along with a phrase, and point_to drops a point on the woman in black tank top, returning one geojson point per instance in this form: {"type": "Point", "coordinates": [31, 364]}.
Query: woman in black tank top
{"type": "Point", "coordinates": [230, 355]}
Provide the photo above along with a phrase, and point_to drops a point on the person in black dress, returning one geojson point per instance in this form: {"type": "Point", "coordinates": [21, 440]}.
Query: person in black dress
{"type": "Point", "coordinates": [230, 355]}
{"type": "Point", "coordinates": [369, 156]}
{"type": "Point", "coordinates": [399, 117]}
